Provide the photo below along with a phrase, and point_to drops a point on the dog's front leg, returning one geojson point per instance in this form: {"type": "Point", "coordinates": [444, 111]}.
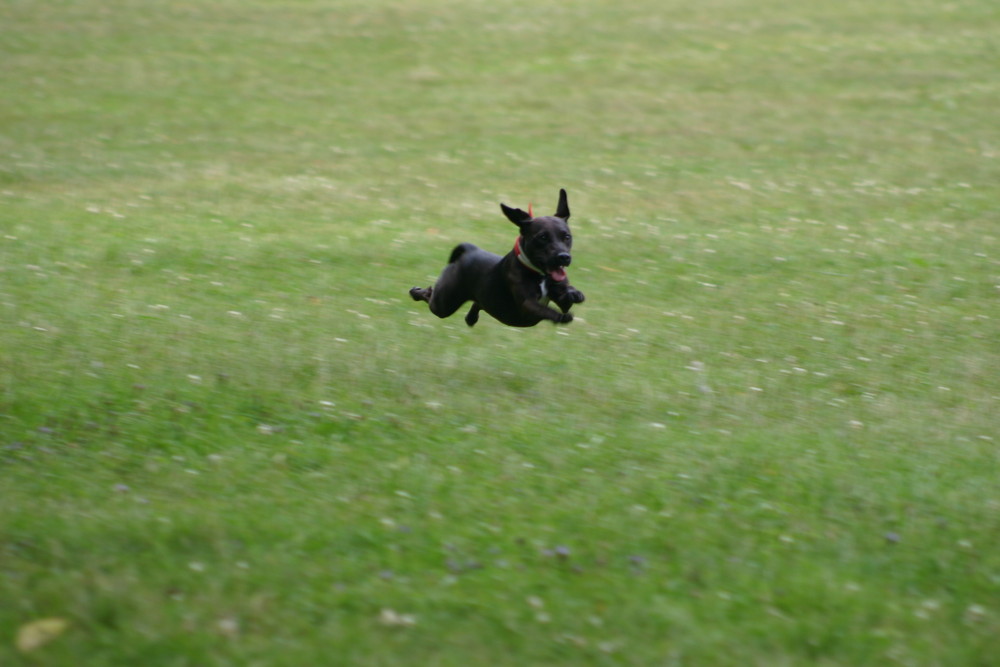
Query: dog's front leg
{"type": "Point", "coordinates": [564, 317]}
{"type": "Point", "coordinates": [565, 295]}
{"type": "Point", "coordinates": [543, 312]}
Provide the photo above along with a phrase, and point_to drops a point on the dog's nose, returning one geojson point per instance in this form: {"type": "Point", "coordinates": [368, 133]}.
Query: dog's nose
{"type": "Point", "coordinates": [564, 259]}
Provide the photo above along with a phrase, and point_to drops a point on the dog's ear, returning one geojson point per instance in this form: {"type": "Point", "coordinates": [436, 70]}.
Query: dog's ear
{"type": "Point", "coordinates": [515, 215]}
{"type": "Point", "coordinates": [562, 210]}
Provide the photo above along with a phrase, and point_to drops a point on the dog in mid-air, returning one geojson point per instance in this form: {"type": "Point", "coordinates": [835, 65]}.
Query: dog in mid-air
{"type": "Point", "coordinates": [516, 288]}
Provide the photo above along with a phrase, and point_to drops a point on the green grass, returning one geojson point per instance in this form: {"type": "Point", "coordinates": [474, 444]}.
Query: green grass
{"type": "Point", "coordinates": [770, 437]}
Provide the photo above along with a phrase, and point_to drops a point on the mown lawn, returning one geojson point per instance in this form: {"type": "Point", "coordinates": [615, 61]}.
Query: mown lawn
{"type": "Point", "coordinates": [228, 436]}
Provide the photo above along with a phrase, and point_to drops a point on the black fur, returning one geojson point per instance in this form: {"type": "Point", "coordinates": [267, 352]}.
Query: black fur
{"type": "Point", "coordinates": [505, 287]}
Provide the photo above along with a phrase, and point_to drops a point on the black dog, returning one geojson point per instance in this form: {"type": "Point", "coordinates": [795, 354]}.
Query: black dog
{"type": "Point", "coordinates": [517, 287]}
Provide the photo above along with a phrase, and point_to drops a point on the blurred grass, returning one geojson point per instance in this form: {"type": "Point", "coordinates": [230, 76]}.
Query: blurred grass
{"type": "Point", "coordinates": [227, 434]}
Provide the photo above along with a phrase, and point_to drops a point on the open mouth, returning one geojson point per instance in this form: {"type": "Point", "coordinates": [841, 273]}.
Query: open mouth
{"type": "Point", "coordinates": [558, 274]}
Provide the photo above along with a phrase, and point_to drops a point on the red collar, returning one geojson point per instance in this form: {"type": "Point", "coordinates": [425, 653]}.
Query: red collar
{"type": "Point", "coordinates": [521, 257]}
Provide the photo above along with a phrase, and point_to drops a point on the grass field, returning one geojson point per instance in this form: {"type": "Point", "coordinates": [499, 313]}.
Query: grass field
{"type": "Point", "coordinates": [228, 436]}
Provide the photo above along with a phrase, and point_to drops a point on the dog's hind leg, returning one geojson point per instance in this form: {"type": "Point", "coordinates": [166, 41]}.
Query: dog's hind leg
{"type": "Point", "coordinates": [457, 281]}
{"type": "Point", "coordinates": [441, 302]}
{"type": "Point", "coordinates": [421, 293]}
{"type": "Point", "coordinates": [473, 315]}
{"type": "Point", "coordinates": [445, 299]}
{"type": "Point", "coordinates": [446, 295]}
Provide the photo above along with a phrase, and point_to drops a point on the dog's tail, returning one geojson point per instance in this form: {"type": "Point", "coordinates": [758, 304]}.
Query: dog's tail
{"type": "Point", "coordinates": [459, 251]}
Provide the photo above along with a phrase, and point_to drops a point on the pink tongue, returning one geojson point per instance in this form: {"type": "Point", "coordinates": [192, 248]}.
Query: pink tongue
{"type": "Point", "coordinates": [558, 275]}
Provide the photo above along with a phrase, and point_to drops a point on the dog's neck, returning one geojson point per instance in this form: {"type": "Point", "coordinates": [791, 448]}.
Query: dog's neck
{"type": "Point", "coordinates": [521, 257]}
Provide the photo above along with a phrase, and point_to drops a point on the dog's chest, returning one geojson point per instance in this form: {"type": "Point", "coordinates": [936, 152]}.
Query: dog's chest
{"type": "Point", "coordinates": [543, 289]}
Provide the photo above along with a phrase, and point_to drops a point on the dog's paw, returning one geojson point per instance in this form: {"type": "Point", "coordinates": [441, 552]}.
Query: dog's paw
{"type": "Point", "coordinates": [564, 318]}
{"type": "Point", "coordinates": [577, 296]}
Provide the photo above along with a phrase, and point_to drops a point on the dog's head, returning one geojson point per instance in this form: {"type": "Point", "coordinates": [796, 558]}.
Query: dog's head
{"type": "Point", "coordinates": [545, 241]}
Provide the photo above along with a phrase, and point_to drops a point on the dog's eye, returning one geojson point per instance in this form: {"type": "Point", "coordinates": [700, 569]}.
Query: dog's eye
{"type": "Point", "coordinates": [544, 238]}
{"type": "Point", "coordinates": [566, 237]}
